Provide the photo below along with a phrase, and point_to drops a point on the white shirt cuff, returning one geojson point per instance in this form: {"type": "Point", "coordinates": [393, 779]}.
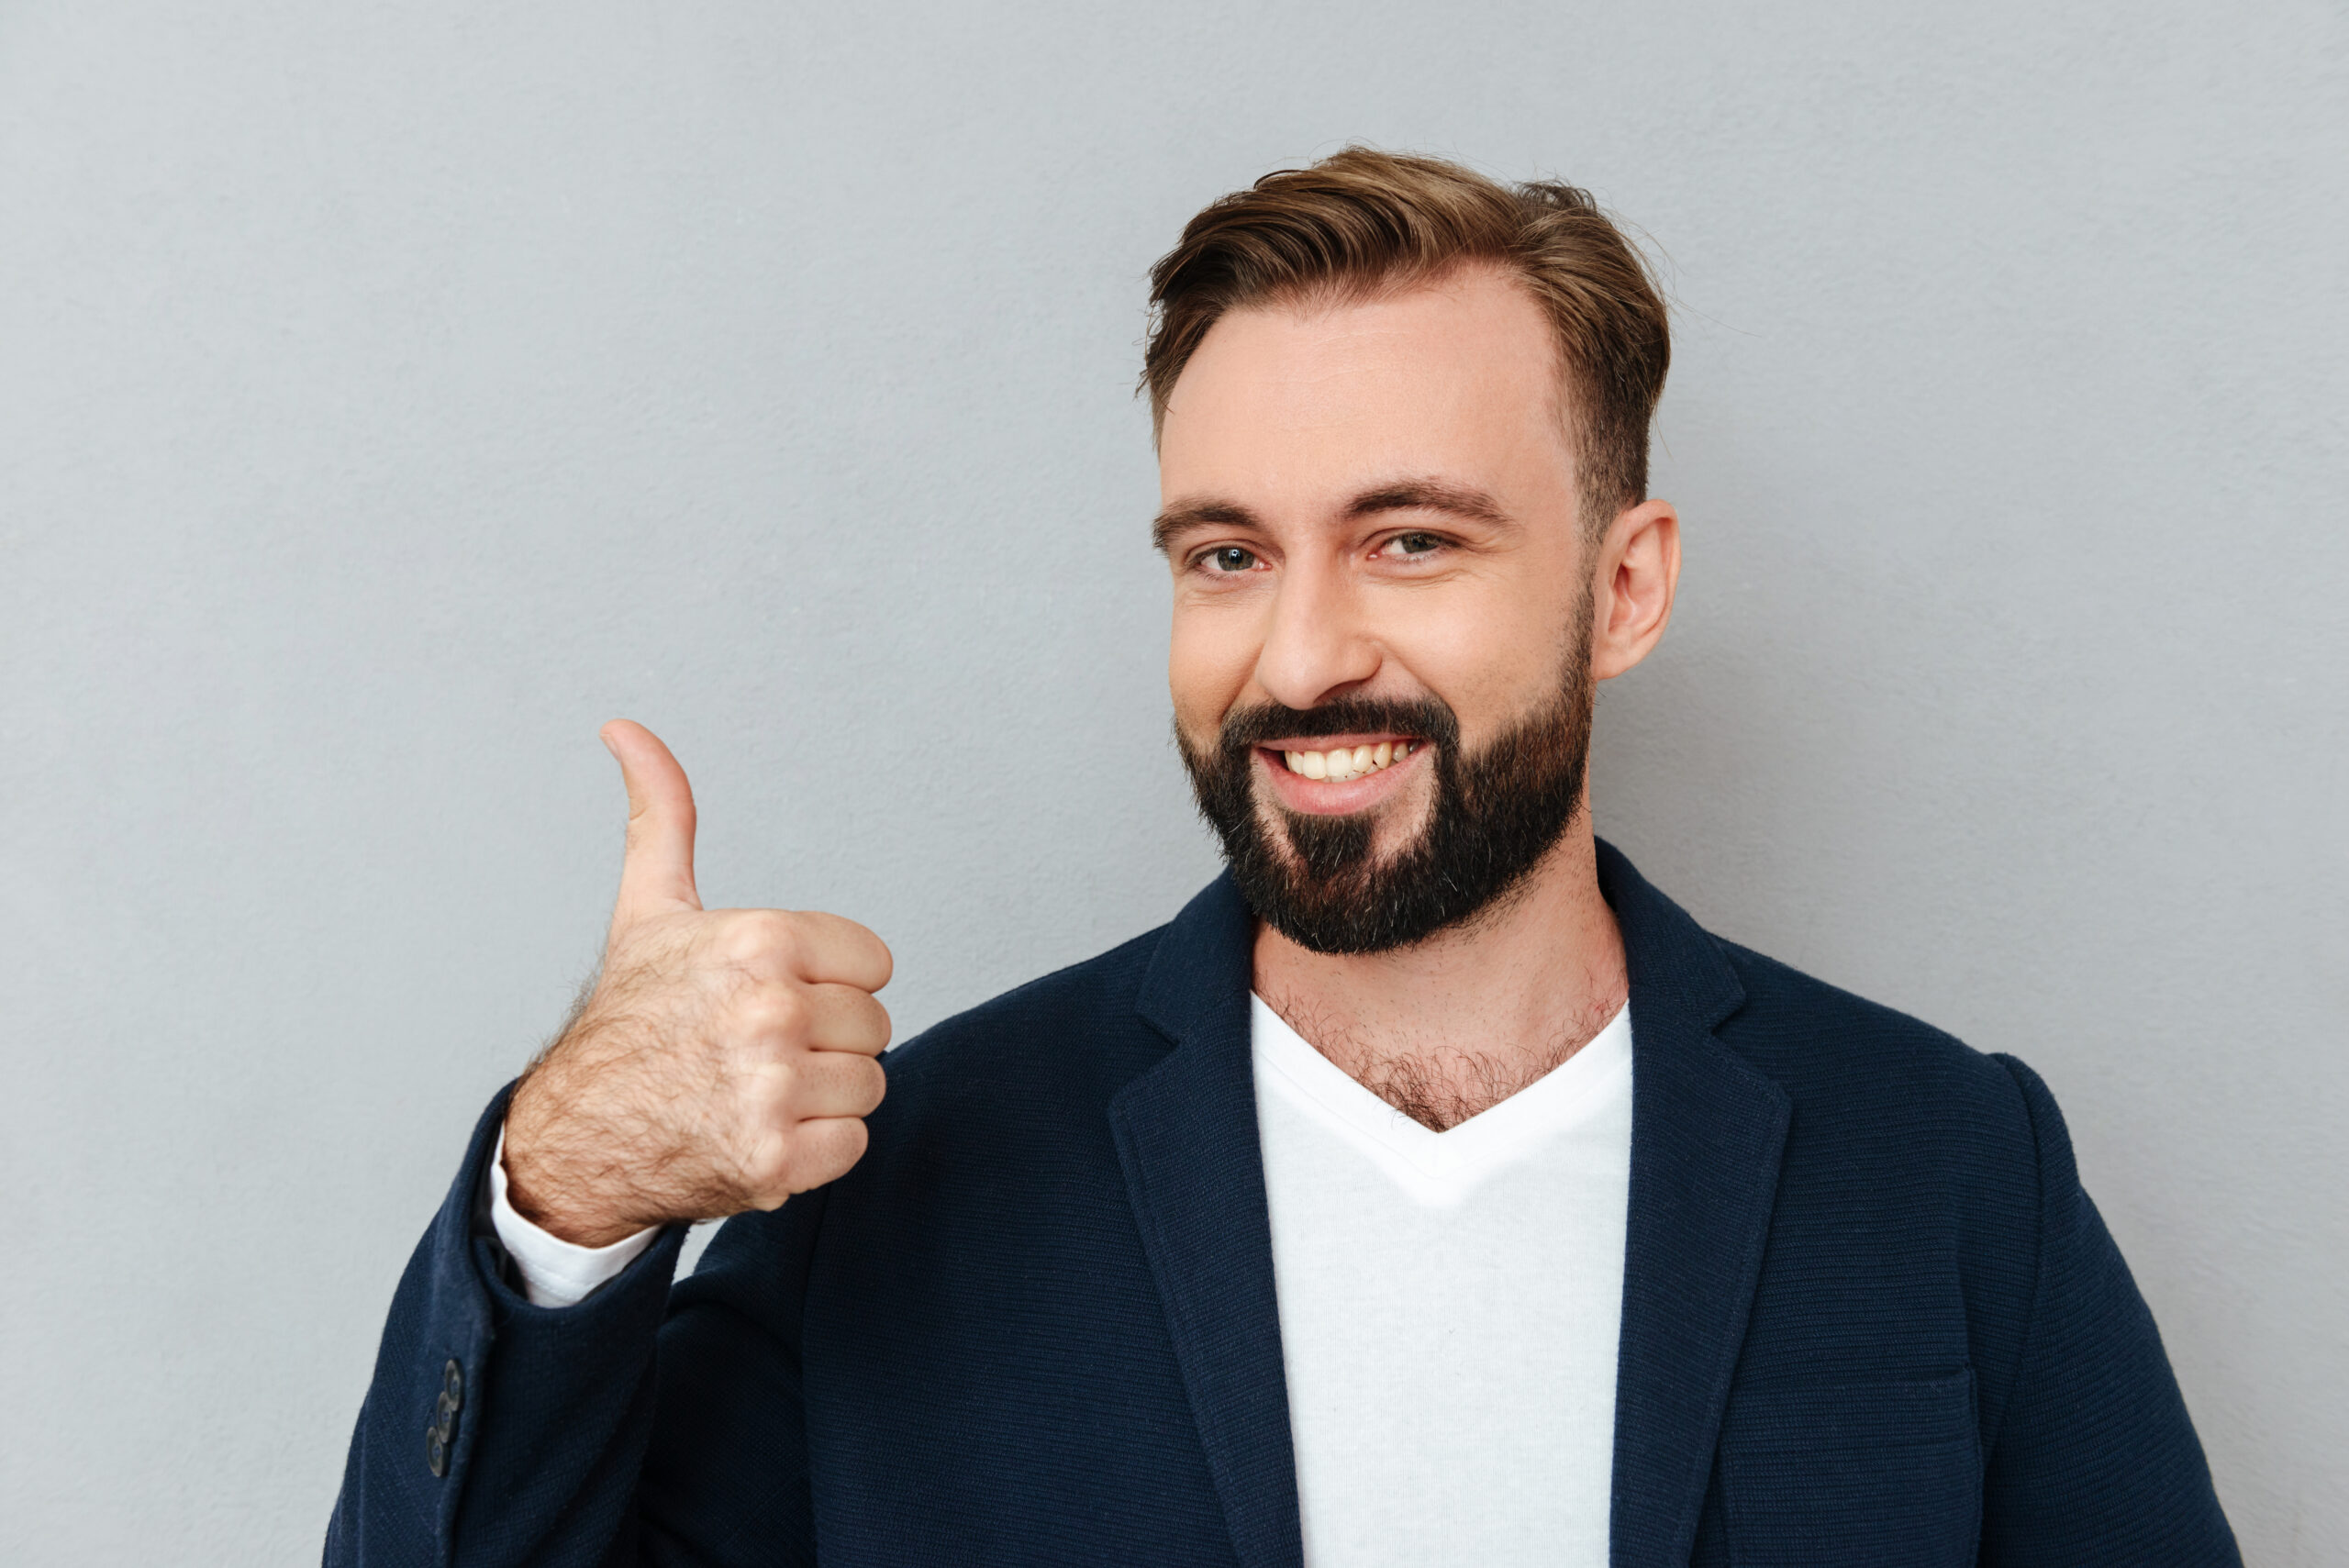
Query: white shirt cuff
{"type": "Point", "coordinates": [555, 1273]}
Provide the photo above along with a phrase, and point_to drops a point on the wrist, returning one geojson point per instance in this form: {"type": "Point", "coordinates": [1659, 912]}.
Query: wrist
{"type": "Point", "coordinates": [562, 1201]}
{"type": "Point", "coordinates": [581, 1226]}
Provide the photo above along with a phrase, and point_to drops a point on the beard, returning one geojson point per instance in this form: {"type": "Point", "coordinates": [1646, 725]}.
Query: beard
{"type": "Point", "coordinates": [1320, 882]}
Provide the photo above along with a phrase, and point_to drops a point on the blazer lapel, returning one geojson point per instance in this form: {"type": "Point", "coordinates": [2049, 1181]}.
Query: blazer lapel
{"type": "Point", "coordinates": [1707, 1134]}
{"type": "Point", "coordinates": [1186, 1133]}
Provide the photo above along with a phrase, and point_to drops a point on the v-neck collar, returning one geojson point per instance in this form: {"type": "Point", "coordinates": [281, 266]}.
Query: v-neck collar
{"type": "Point", "coordinates": [1441, 1166]}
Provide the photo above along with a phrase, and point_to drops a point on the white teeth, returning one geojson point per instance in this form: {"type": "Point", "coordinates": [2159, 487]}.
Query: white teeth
{"type": "Point", "coordinates": [1341, 763]}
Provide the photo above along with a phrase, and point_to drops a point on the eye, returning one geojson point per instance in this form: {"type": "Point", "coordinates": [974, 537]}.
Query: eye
{"type": "Point", "coordinates": [1228, 559]}
{"type": "Point", "coordinates": [1404, 547]}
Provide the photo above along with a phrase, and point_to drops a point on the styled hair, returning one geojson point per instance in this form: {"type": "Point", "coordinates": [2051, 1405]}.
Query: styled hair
{"type": "Point", "coordinates": [1361, 222]}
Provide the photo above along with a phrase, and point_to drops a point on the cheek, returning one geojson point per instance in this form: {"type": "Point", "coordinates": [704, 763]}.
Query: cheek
{"type": "Point", "coordinates": [1485, 654]}
{"type": "Point", "coordinates": [1210, 658]}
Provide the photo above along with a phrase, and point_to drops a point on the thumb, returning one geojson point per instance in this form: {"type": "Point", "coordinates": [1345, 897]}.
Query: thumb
{"type": "Point", "coordinates": [657, 874]}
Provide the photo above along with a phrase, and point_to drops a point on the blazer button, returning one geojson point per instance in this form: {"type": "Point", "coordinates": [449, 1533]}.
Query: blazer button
{"type": "Point", "coordinates": [438, 1436]}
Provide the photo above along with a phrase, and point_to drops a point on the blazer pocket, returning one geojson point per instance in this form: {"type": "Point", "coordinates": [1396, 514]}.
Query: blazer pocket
{"type": "Point", "coordinates": [1884, 1473]}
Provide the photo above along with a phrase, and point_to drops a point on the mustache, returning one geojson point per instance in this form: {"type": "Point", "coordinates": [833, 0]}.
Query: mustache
{"type": "Point", "coordinates": [1426, 718]}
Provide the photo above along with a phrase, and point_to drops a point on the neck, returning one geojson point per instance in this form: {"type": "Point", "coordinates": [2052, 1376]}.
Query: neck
{"type": "Point", "coordinates": [1455, 1024]}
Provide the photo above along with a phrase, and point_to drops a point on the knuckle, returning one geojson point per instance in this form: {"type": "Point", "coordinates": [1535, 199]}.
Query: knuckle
{"type": "Point", "coordinates": [808, 1156]}
{"type": "Point", "coordinates": [758, 1102]}
{"type": "Point", "coordinates": [773, 1012]}
{"type": "Point", "coordinates": [773, 1086]}
{"type": "Point", "coordinates": [767, 1173]}
{"type": "Point", "coordinates": [756, 935]}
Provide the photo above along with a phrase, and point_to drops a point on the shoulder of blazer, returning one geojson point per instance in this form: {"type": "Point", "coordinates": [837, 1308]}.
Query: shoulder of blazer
{"type": "Point", "coordinates": [1838, 1055]}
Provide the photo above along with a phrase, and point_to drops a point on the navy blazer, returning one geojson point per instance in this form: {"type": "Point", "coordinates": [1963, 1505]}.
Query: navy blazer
{"type": "Point", "coordinates": [1869, 1316]}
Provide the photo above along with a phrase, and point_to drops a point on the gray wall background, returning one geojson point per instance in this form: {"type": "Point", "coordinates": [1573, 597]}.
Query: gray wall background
{"type": "Point", "coordinates": [390, 394]}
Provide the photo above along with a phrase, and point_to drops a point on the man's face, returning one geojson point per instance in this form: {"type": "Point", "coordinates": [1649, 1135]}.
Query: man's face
{"type": "Point", "coordinates": [1369, 509]}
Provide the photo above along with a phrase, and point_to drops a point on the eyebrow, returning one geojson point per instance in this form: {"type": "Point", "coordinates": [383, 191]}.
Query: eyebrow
{"type": "Point", "coordinates": [1188, 516]}
{"type": "Point", "coordinates": [1394, 496]}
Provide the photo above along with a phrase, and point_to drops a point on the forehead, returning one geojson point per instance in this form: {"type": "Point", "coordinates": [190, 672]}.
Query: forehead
{"type": "Point", "coordinates": [1457, 377]}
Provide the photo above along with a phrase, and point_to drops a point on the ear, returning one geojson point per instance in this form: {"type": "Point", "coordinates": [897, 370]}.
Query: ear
{"type": "Point", "coordinates": [1637, 571]}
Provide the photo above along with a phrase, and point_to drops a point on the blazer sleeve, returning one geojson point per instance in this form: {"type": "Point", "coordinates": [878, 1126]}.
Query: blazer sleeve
{"type": "Point", "coordinates": [638, 1426]}
{"type": "Point", "coordinates": [2094, 1460]}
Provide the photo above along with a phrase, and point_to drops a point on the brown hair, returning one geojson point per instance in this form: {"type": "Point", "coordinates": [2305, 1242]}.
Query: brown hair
{"type": "Point", "coordinates": [1362, 221]}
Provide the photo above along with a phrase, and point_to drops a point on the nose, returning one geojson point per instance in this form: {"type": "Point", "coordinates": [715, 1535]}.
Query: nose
{"type": "Point", "coordinates": [1317, 646]}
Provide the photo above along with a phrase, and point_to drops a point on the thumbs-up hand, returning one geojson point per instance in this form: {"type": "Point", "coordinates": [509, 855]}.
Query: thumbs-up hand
{"type": "Point", "coordinates": [725, 1058]}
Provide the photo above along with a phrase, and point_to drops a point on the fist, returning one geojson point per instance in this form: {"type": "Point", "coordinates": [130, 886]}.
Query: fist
{"type": "Point", "coordinates": [724, 1060]}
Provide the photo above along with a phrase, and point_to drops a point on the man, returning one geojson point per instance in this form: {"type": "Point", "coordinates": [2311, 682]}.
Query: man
{"type": "Point", "coordinates": [1431, 1189]}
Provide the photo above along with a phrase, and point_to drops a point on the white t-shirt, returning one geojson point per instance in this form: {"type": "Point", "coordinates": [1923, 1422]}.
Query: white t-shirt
{"type": "Point", "coordinates": [1450, 1306]}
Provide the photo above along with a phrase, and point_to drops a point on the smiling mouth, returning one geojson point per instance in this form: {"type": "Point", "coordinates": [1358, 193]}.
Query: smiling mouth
{"type": "Point", "coordinates": [1340, 763]}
